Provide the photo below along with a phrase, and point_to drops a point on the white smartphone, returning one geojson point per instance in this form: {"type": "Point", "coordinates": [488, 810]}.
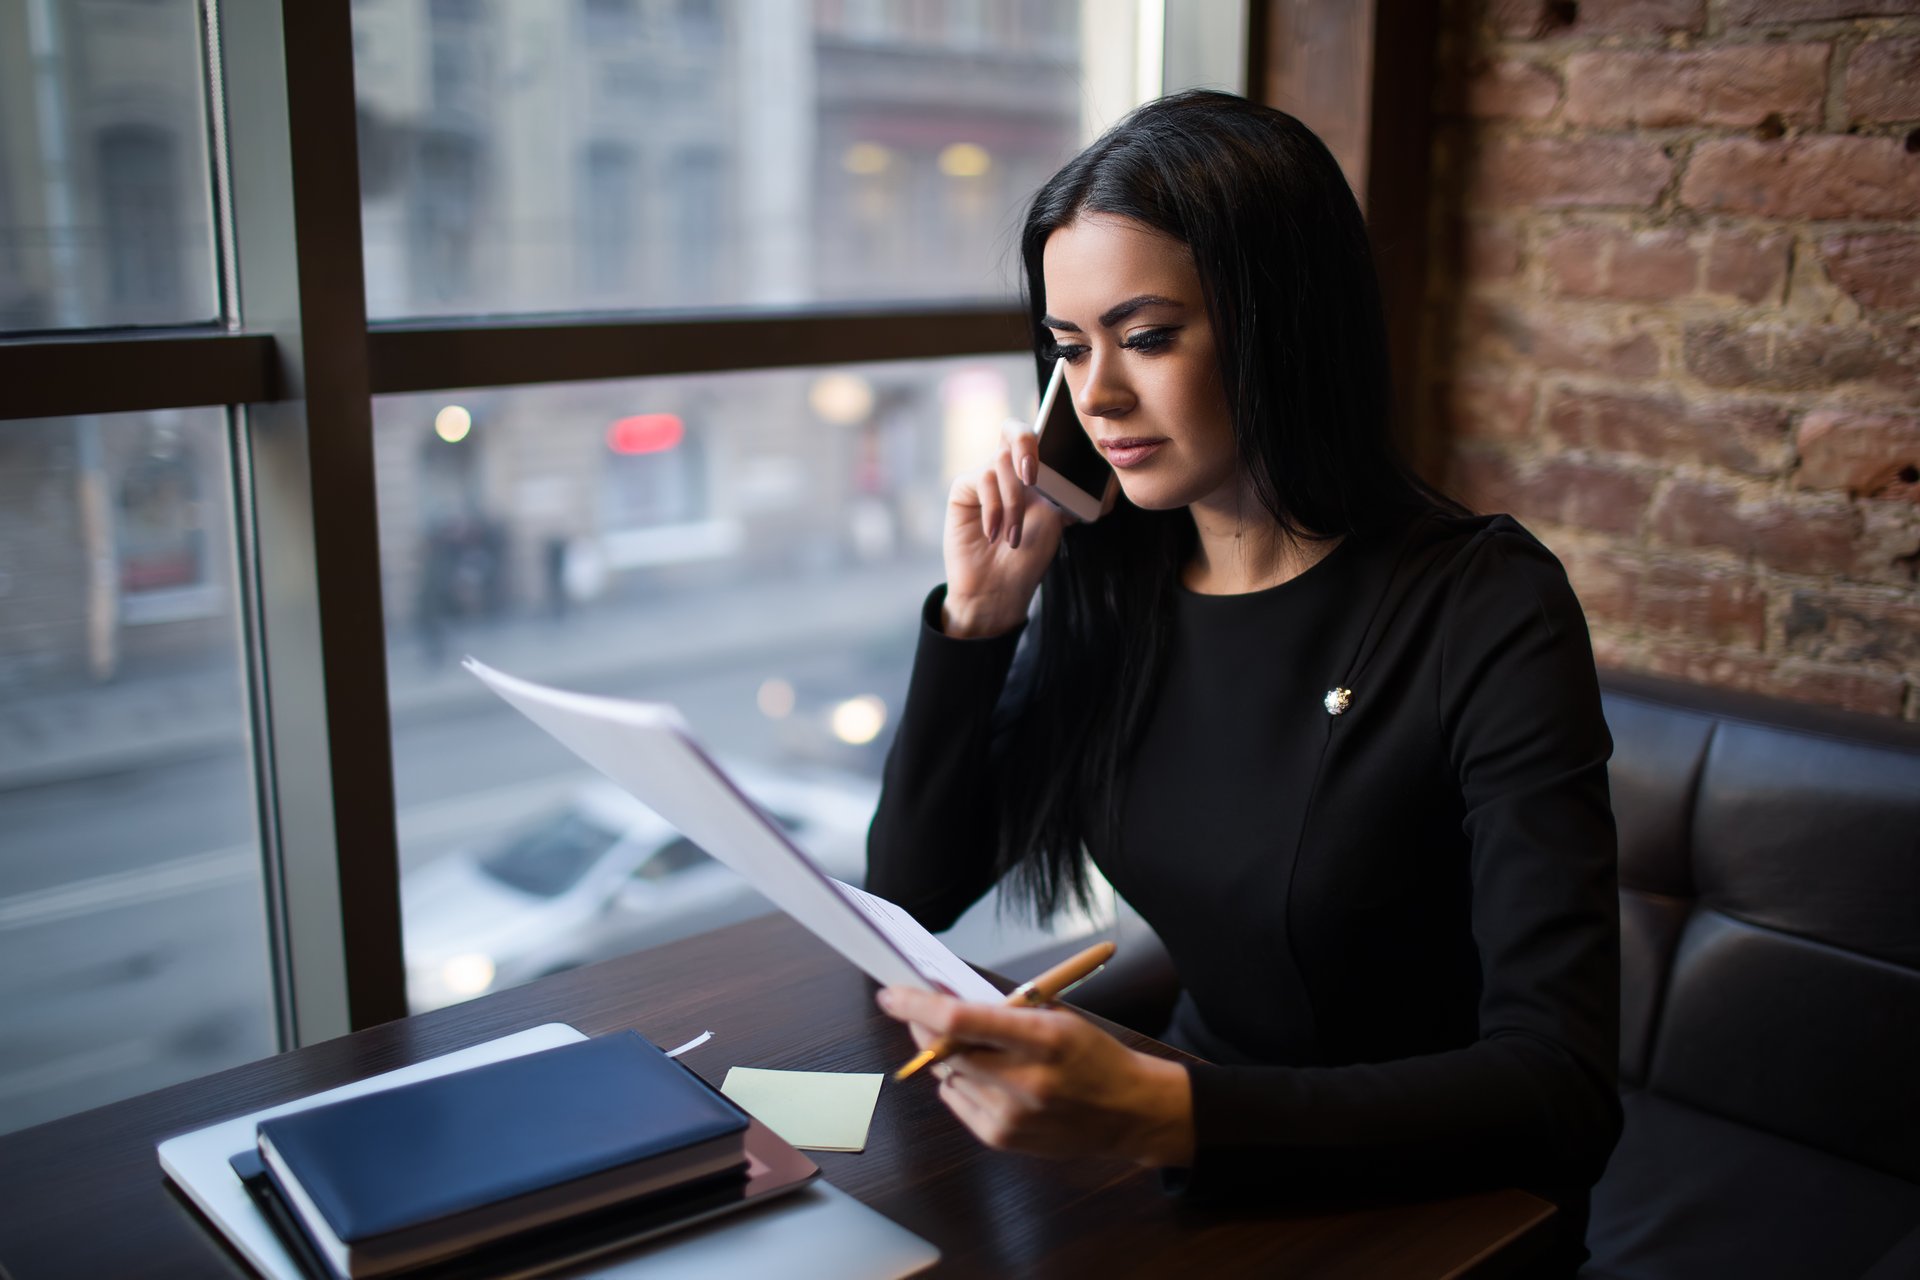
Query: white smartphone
{"type": "Point", "coordinates": [1072, 475]}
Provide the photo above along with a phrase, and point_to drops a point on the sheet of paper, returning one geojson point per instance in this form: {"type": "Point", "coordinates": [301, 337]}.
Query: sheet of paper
{"type": "Point", "coordinates": [817, 1110]}
{"type": "Point", "coordinates": [928, 954]}
{"type": "Point", "coordinates": [647, 748]}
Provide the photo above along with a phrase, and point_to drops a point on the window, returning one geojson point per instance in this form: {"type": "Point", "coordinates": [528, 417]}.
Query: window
{"type": "Point", "coordinates": [461, 60]}
{"type": "Point", "coordinates": [166, 519]}
{"type": "Point", "coordinates": [654, 474]}
{"type": "Point", "coordinates": [213, 810]}
{"type": "Point", "coordinates": [609, 213]}
{"type": "Point", "coordinates": [160, 538]}
{"type": "Point", "coordinates": [140, 200]}
{"type": "Point", "coordinates": [606, 20]}
{"type": "Point", "coordinates": [106, 192]}
{"type": "Point", "coordinates": [442, 239]}
{"type": "Point", "coordinates": [133, 946]}
{"type": "Point", "coordinates": [700, 227]}
{"type": "Point", "coordinates": [551, 856]}
{"type": "Point", "coordinates": [672, 859]}
{"type": "Point", "coordinates": [700, 20]}
{"type": "Point", "coordinates": [757, 554]}
{"type": "Point", "coordinates": [819, 154]}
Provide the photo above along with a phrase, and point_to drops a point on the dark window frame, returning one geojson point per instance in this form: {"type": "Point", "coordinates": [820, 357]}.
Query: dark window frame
{"type": "Point", "coordinates": [298, 365]}
{"type": "Point", "coordinates": [298, 368]}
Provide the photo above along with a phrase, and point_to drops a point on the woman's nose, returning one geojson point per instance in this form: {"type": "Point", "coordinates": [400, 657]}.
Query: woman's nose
{"type": "Point", "coordinates": [1104, 392]}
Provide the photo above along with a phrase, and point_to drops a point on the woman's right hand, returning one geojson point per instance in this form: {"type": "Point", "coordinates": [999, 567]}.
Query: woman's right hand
{"type": "Point", "coordinates": [1000, 538]}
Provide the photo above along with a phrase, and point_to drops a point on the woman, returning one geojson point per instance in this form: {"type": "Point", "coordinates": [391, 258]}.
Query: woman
{"type": "Point", "coordinates": [1339, 742]}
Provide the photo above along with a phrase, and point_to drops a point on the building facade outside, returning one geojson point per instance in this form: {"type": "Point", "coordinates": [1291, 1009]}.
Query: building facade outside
{"type": "Point", "coordinates": [751, 546]}
{"type": "Point", "coordinates": [521, 158]}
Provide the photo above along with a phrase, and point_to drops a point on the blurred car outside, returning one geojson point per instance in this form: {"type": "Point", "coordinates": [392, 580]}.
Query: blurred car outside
{"type": "Point", "coordinates": [601, 876]}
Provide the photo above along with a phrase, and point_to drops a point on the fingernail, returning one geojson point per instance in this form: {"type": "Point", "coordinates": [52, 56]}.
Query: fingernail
{"type": "Point", "coordinates": [993, 531]}
{"type": "Point", "coordinates": [1013, 536]}
{"type": "Point", "coordinates": [1026, 470]}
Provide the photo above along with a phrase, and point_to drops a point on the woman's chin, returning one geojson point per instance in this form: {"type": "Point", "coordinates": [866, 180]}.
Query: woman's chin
{"type": "Point", "coordinates": [1150, 496]}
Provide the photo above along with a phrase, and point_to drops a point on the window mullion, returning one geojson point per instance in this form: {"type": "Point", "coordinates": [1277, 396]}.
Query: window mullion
{"type": "Point", "coordinates": [288, 81]}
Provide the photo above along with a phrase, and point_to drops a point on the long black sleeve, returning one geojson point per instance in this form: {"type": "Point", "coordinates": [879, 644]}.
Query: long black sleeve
{"type": "Point", "coordinates": [930, 848]}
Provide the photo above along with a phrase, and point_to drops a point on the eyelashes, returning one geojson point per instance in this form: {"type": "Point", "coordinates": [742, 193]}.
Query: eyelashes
{"type": "Point", "coordinates": [1146, 342]}
{"type": "Point", "coordinates": [1151, 339]}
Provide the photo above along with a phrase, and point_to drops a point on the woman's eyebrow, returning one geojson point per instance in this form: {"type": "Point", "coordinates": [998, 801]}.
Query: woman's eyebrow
{"type": "Point", "coordinates": [1115, 314]}
{"type": "Point", "coordinates": [1120, 311]}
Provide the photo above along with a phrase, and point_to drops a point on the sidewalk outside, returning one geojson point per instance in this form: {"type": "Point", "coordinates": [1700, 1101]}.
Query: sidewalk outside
{"type": "Point", "coordinates": [83, 732]}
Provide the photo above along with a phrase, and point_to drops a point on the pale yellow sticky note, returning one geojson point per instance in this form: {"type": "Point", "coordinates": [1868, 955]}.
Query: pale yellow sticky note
{"type": "Point", "coordinates": [818, 1110]}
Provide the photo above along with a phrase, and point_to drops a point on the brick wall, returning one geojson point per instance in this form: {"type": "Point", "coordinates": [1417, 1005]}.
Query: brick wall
{"type": "Point", "coordinates": [1675, 324]}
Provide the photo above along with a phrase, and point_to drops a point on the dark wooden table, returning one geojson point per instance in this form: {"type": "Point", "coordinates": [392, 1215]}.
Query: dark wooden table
{"type": "Point", "coordinates": [85, 1196]}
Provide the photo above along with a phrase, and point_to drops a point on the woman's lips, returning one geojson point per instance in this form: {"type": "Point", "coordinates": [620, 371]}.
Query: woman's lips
{"type": "Point", "coordinates": [1130, 452]}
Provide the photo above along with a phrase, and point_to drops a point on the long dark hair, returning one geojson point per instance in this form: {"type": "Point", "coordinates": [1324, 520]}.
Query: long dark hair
{"type": "Point", "coordinates": [1284, 262]}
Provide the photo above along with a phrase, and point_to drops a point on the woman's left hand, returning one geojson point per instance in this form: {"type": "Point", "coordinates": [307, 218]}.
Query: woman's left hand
{"type": "Point", "coordinates": [1048, 1082]}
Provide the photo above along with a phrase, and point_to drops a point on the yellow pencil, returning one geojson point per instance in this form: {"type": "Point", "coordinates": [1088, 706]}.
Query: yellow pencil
{"type": "Point", "coordinates": [1045, 989]}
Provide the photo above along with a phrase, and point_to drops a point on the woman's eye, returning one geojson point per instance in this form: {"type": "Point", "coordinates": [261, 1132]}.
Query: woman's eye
{"type": "Point", "coordinates": [1149, 339]}
{"type": "Point", "coordinates": [1068, 351]}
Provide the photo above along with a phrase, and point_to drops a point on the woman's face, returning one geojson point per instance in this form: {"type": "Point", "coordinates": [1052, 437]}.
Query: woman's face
{"type": "Point", "coordinates": [1126, 310]}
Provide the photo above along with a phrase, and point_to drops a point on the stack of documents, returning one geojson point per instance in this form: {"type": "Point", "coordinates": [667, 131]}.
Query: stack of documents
{"type": "Point", "coordinates": [790, 1223]}
{"type": "Point", "coordinates": [417, 1175]}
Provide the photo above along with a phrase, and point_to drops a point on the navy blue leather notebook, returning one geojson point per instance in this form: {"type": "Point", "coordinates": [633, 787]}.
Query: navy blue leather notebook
{"type": "Point", "coordinates": [400, 1178]}
{"type": "Point", "coordinates": [776, 1170]}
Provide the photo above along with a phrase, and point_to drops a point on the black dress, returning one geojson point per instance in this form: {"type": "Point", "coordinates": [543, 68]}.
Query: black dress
{"type": "Point", "coordinates": [1396, 927]}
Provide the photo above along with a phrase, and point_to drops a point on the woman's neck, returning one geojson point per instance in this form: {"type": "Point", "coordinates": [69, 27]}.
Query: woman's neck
{"type": "Point", "coordinates": [1241, 548]}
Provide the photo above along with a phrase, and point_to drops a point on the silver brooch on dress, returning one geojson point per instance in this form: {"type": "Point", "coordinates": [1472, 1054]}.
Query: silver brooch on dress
{"type": "Point", "coordinates": [1337, 700]}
